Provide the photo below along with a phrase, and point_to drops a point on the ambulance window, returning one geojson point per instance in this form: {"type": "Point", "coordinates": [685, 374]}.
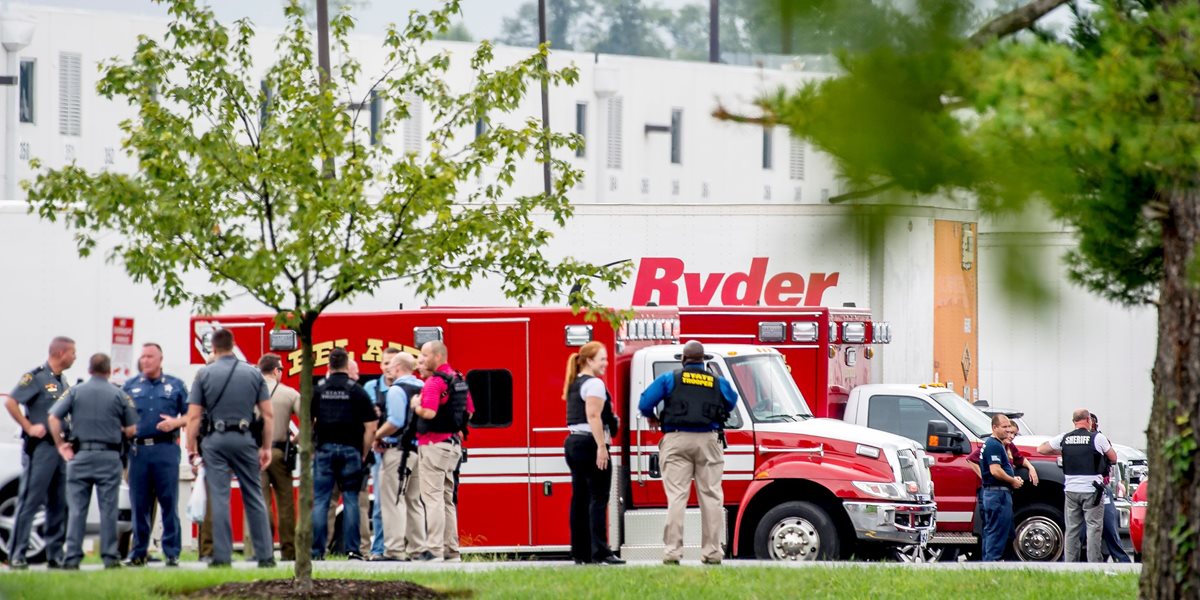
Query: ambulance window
{"type": "Point", "coordinates": [735, 418]}
{"type": "Point", "coordinates": [902, 415]}
{"type": "Point", "coordinates": [492, 394]}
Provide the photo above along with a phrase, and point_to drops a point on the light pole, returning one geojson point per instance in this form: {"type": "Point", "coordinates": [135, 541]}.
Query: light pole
{"type": "Point", "coordinates": [545, 99]}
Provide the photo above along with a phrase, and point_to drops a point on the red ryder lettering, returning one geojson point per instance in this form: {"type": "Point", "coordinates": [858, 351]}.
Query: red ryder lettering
{"type": "Point", "coordinates": [662, 275]}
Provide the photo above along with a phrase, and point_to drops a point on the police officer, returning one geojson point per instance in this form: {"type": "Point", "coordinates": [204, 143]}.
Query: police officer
{"type": "Point", "coordinates": [395, 441]}
{"type": "Point", "coordinates": [161, 402]}
{"type": "Point", "coordinates": [442, 414]}
{"type": "Point", "coordinates": [377, 389]}
{"type": "Point", "coordinates": [1112, 536]}
{"type": "Point", "coordinates": [344, 424]}
{"type": "Point", "coordinates": [695, 405]}
{"type": "Point", "coordinates": [998, 484]}
{"type": "Point", "coordinates": [277, 479]}
{"type": "Point", "coordinates": [225, 393]}
{"type": "Point", "coordinates": [1083, 453]}
{"type": "Point", "coordinates": [102, 416]}
{"type": "Point", "coordinates": [43, 475]}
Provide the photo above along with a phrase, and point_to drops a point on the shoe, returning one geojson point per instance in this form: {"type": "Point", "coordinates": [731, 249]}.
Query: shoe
{"type": "Point", "coordinates": [385, 558]}
{"type": "Point", "coordinates": [354, 556]}
{"type": "Point", "coordinates": [611, 559]}
{"type": "Point", "coordinates": [18, 565]}
{"type": "Point", "coordinates": [670, 561]}
{"type": "Point", "coordinates": [137, 561]}
{"type": "Point", "coordinates": [267, 564]}
{"type": "Point", "coordinates": [172, 561]}
{"type": "Point", "coordinates": [54, 565]}
{"type": "Point", "coordinates": [424, 556]}
{"type": "Point", "coordinates": [710, 561]}
{"type": "Point", "coordinates": [115, 564]}
{"type": "Point", "coordinates": [454, 558]}
{"type": "Point", "coordinates": [206, 559]}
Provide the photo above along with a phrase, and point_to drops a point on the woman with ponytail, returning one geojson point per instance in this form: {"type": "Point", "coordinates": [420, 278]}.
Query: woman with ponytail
{"type": "Point", "coordinates": [589, 410]}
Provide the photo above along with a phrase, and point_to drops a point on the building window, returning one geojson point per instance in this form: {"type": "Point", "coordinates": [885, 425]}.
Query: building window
{"type": "Point", "coordinates": [768, 154]}
{"type": "Point", "coordinates": [376, 117]}
{"type": "Point", "coordinates": [581, 128]}
{"type": "Point", "coordinates": [615, 138]}
{"type": "Point", "coordinates": [70, 93]}
{"type": "Point", "coordinates": [796, 160]}
{"type": "Point", "coordinates": [26, 83]}
{"type": "Point", "coordinates": [481, 127]}
{"type": "Point", "coordinates": [412, 125]}
{"type": "Point", "coordinates": [677, 136]}
{"type": "Point", "coordinates": [492, 394]}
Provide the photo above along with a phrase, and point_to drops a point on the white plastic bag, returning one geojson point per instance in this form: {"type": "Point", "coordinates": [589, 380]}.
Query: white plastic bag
{"type": "Point", "coordinates": [196, 504]}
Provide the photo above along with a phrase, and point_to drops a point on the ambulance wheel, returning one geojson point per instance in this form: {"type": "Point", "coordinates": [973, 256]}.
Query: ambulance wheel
{"type": "Point", "coordinates": [797, 531]}
{"type": "Point", "coordinates": [1039, 533]}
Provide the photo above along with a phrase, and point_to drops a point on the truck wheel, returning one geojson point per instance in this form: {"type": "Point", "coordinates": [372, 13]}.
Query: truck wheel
{"type": "Point", "coordinates": [914, 553]}
{"type": "Point", "coordinates": [1039, 533]}
{"type": "Point", "coordinates": [797, 531]}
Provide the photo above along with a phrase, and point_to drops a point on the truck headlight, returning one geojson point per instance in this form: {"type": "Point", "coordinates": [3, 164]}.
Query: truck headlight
{"type": "Point", "coordinates": [886, 491]}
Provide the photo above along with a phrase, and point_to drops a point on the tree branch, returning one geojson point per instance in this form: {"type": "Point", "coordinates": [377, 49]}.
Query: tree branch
{"type": "Point", "coordinates": [1020, 18]}
{"type": "Point", "coordinates": [866, 193]}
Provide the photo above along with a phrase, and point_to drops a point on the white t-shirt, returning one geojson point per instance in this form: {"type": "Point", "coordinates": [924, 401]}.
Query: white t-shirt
{"type": "Point", "coordinates": [592, 388]}
{"type": "Point", "coordinates": [1082, 483]}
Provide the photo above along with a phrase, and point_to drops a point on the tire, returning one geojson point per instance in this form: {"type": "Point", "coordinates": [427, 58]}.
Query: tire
{"type": "Point", "coordinates": [1039, 533]}
{"type": "Point", "coordinates": [797, 531]}
{"type": "Point", "coordinates": [929, 554]}
{"type": "Point", "coordinates": [35, 552]}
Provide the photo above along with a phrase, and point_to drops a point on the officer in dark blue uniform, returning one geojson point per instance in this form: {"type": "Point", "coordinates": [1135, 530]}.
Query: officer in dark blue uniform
{"type": "Point", "coordinates": [102, 416]}
{"type": "Point", "coordinates": [998, 483]}
{"type": "Point", "coordinates": [161, 402]}
{"type": "Point", "coordinates": [44, 474]}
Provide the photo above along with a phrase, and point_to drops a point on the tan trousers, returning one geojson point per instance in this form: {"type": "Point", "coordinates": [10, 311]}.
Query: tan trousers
{"type": "Point", "coordinates": [401, 520]}
{"type": "Point", "coordinates": [277, 482]}
{"type": "Point", "coordinates": [364, 516]}
{"type": "Point", "coordinates": [438, 462]}
{"type": "Point", "coordinates": [686, 456]}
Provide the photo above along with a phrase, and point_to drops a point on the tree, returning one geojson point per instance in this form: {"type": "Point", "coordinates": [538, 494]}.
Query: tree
{"type": "Point", "coordinates": [233, 178]}
{"type": "Point", "coordinates": [1100, 126]}
{"type": "Point", "coordinates": [562, 21]}
{"type": "Point", "coordinates": [457, 32]}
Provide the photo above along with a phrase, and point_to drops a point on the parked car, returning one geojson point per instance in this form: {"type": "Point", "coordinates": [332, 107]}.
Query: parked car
{"type": "Point", "coordinates": [10, 477]}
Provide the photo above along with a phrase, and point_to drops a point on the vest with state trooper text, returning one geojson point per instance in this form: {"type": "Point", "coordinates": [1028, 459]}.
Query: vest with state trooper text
{"type": "Point", "coordinates": [695, 401]}
{"type": "Point", "coordinates": [337, 421]}
{"type": "Point", "coordinates": [1079, 454]}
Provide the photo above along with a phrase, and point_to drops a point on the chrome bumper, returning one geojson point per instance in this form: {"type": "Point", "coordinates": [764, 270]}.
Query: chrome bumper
{"type": "Point", "coordinates": [893, 522]}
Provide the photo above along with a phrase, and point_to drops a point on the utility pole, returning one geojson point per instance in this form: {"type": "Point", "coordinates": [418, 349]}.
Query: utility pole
{"type": "Point", "coordinates": [714, 31]}
{"type": "Point", "coordinates": [323, 61]}
{"type": "Point", "coordinates": [545, 99]}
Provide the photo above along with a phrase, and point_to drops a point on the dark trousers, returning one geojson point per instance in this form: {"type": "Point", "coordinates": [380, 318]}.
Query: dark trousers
{"type": "Point", "coordinates": [1111, 536]}
{"type": "Point", "coordinates": [997, 522]}
{"type": "Point", "coordinates": [277, 483]}
{"type": "Point", "coordinates": [589, 499]}
{"type": "Point", "coordinates": [154, 475]}
{"type": "Point", "coordinates": [341, 464]}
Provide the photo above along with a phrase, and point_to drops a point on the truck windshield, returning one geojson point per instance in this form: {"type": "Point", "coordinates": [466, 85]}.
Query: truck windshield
{"type": "Point", "coordinates": [974, 419]}
{"type": "Point", "coordinates": [768, 391]}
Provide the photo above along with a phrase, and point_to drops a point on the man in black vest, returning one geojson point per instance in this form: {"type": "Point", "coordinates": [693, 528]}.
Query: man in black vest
{"type": "Point", "coordinates": [1083, 455]}
{"type": "Point", "coordinates": [344, 423]}
{"type": "Point", "coordinates": [695, 406]}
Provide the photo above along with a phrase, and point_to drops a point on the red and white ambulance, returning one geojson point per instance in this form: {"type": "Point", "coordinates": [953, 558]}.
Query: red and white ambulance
{"type": "Point", "coordinates": [797, 487]}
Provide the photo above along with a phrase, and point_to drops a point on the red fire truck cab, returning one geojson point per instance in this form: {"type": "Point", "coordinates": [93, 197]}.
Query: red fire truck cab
{"type": "Point", "coordinates": [796, 487]}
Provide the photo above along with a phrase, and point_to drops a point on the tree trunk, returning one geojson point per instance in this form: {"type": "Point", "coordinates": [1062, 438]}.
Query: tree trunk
{"type": "Point", "coordinates": [304, 532]}
{"type": "Point", "coordinates": [1172, 559]}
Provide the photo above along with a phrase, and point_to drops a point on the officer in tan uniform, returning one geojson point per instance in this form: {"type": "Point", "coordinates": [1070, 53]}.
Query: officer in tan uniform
{"type": "Point", "coordinates": [695, 404]}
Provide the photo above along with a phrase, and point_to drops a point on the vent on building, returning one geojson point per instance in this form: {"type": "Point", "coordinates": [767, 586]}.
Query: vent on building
{"type": "Point", "coordinates": [796, 160]}
{"type": "Point", "coordinates": [677, 136]}
{"type": "Point", "coordinates": [581, 128]}
{"type": "Point", "coordinates": [614, 132]}
{"type": "Point", "coordinates": [26, 90]}
{"type": "Point", "coordinates": [768, 148]}
{"type": "Point", "coordinates": [70, 89]}
{"type": "Point", "coordinates": [412, 125]}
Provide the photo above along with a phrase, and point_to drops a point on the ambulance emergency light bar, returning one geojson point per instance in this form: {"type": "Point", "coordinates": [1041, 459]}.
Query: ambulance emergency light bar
{"type": "Point", "coordinates": [849, 332]}
{"type": "Point", "coordinates": [649, 329]}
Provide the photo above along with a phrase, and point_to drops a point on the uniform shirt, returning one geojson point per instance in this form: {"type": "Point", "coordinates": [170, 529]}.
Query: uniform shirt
{"type": "Point", "coordinates": [592, 388]}
{"type": "Point", "coordinates": [37, 391]}
{"type": "Point", "coordinates": [153, 398]}
{"type": "Point", "coordinates": [1082, 483]}
{"type": "Point", "coordinates": [993, 453]}
{"type": "Point", "coordinates": [99, 411]}
{"type": "Point", "coordinates": [361, 410]}
{"type": "Point", "coordinates": [285, 402]}
{"type": "Point", "coordinates": [432, 398]}
{"type": "Point", "coordinates": [1015, 456]}
{"type": "Point", "coordinates": [397, 405]}
{"type": "Point", "coordinates": [245, 390]}
{"type": "Point", "coordinates": [373, 387]}
{"type": "Point", "coordinates": [662, 386]}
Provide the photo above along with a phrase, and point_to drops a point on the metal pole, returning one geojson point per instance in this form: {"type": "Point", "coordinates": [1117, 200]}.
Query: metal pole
{"type": "Point", "coordinates": [323, 61]}
{"type": "Point", "coordinates": [545, 99]}
{"type": "Point", "coordinates": [714, 31]}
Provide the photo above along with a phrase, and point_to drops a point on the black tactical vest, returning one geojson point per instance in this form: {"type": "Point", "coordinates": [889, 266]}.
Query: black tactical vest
{"type": "Point", "coordinates": [576, 405]}
{"type": "Point", "coordinates": [451, 415]}
{"type": "Point", "coordinates": [1079, 454]}
{"type": "Point", "coordinates": [336, 419]}
{"type": "Point", "coordinates": [695, 402]}
{"type": "Point", "coordinates": [408, 435]}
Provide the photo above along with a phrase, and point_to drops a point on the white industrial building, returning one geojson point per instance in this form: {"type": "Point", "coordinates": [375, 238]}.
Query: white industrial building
{"type": "Point", "coordinates": [664, 180]}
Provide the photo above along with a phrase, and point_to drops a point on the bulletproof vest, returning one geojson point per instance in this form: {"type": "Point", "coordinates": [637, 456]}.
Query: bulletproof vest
{"type": "Point", "coordinates": [451, 415]}
{"type": "Point", "coordinates": [1079, 454]}
{"type": "Point", "coordinates": [695, 402]}
{"type": "Point", "coordinates": [381, 400]}
{"type": "Point", "coordinates": [576, 405]}
{"type": "Point", "coordinates": [409, 434]}
{"type": "Point", "coordinates": [334, 409]}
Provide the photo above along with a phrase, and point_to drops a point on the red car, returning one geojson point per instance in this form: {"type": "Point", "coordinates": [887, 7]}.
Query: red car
{"type": "Point", "coordinates": [1137, 517]}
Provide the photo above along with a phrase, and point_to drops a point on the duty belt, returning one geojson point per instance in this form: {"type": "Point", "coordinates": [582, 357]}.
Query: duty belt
{"type": "Point", "coordinates": [98, 447]}
{"type": "Point", "coordinates": [231, 426]}
{"type": "Point", "coordinates": [155, 440]}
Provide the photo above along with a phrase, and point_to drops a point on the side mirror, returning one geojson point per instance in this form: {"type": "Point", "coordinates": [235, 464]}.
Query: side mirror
{"type": "Point", "coordinates": [940, 438]}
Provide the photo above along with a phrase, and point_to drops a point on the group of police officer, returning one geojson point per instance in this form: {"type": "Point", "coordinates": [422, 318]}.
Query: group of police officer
{"type": "Point", "coordinates": [82, 437]}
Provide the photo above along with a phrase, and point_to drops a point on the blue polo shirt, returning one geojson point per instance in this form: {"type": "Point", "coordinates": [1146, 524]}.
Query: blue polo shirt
{"type": "Point", "coordinates": [994, 453]}
{"type": "Point", "coordinates": [153, 398]}
{"type": "Point", "coordinates": [397, 404]}
{"type": "Point", "coordinates": [660, 389]}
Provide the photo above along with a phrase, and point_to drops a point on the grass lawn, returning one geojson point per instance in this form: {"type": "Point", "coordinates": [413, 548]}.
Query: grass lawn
{"type": "Point", "coordinates": [644, 583]}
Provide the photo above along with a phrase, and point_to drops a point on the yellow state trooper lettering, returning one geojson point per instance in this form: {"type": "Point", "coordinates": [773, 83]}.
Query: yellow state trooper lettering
{"type": "Point", "coordinates": [701, 379]}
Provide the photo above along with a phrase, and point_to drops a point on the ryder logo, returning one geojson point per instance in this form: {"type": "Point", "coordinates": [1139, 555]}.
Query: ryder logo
{"type": "Point", "coordinates": [667, 275]}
